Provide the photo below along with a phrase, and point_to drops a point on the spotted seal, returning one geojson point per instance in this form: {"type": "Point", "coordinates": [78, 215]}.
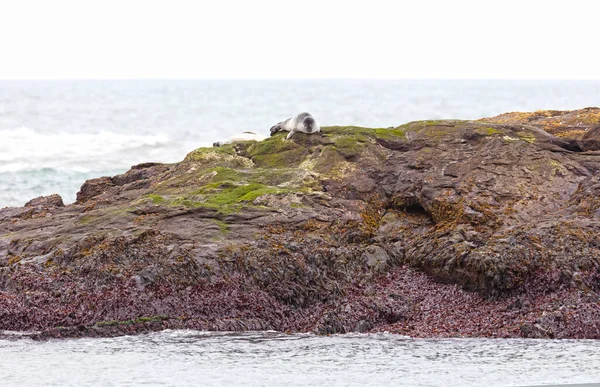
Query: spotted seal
{"type": "Point", "coordinates": [244, 136]}
{"type": "Point", "coordinates": [303, 122]}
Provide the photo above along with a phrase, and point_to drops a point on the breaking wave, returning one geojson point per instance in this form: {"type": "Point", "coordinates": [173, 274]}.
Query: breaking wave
{"type": "Point", "coordinates": [24, 149]}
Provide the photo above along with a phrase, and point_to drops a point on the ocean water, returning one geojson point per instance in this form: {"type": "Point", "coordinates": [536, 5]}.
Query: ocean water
{"type": "Point", "coordinates": [56, 134]}
{"type": "Point", "coordinates": [192, 358]}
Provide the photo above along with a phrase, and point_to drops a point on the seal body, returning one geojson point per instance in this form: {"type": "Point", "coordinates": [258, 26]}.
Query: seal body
{"type": "Point", "coordinates": [303, 122]}
{"type": "Point", "coordinates": [244, 136]}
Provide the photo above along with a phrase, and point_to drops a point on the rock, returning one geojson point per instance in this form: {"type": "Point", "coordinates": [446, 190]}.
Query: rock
{"type": "Point", "coordinates": [94, 187]}
{"type": "Point", "coordinates": [46, 201]}
{"type": "Point", "coordinates": [140, 172]}
{"type": "Point", "coordinates": [591, 139]}
{"type": "Point", "coordinates": [363, 326]}
{"type": "Point", "coordinates": [592, 134]}
{"type": "Point", "coordinates": [536, 331]}
{"type": "Point", "coordinates": [376, 257]}
{"type": "Point", "coordinates": [429, 229]}
{"type": "Point", "coordinates": [573, 124]}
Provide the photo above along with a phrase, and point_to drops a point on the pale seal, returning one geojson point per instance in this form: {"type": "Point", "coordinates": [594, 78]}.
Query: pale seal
{"type": "Point", "coordinates": [303, 122]}
{"type": "Point", "coordinates": [244, 136]}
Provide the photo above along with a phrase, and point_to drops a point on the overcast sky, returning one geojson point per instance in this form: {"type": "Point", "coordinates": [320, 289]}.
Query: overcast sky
{"type": "Point", "coordinates": [299, 39]}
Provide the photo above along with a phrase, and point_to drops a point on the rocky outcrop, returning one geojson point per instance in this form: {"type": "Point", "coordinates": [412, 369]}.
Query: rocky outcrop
{"type": "Point", "coordinates": [572, 124]}
{"type": "Point", "coordinates": [432, 228]}
{"type": "Point", "coordinates": [46, 202]}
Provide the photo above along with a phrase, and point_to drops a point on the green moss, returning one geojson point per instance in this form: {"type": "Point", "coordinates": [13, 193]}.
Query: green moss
{"type": "Point", "coordinates": [274, 176]}
{"type": "Point", "coordinates": [390, 134]}
{"type": "Point", "coordinates": [225, 156]}
{"type": "Point", "coordinates": [156, 199]}
{"type": "Point", "coordinates": [525, 136]}
{"type": "Point", "coordinates": [220, 177]}
{"type": "Point", "coordinates": [186, 202]}
{"type": "Point", "coordinates": [225, 174]}
{"type": "Point", "coordinates": [293, 157]}
{"type": "Point", "coordinates": [250, 196]}
{"type": "Point", "coordinates": [487, 131]}
{"type": "Point", "coordinates": [276, 152]}
{"type": "Point", "coordinates": [349, 145]}
{"type": "Point", "coordinates": [202, 154]}
{"type": "Point", "coordinates": [361, 134]}
{"type": "Point", "coordinates": [227, 189]}
{"type": "Point", "coordinates": [150, 319]}
{"type": "Point", "coordinates": [273, 144]}
{"type": "Point", "coordinates": [332, 131]}
{"type": "Point", "coordinates": [349, 141]}
{"type": "Point", "coordinates": [224, 227]}
{"type": "Point", "coordinates": [436, 133]}
{"type": "Point", "coordinates": [247, 192]}
{"type": "Point", "coordinates": [87, 219]}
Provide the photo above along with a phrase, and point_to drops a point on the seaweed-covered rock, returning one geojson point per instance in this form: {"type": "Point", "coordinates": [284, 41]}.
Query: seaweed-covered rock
{"type": "Point", "coordinates": [432, 228]}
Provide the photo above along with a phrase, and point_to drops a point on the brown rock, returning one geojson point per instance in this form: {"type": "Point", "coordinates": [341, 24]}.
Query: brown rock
{"type": "Point", "coordinates": [46, 201]}
{"type": "Point", "coordinates": [94, 187]}
{"type": "Point", "coordinates": [591, 139]}
{"type": "Point", "coordinates": [573, 124]}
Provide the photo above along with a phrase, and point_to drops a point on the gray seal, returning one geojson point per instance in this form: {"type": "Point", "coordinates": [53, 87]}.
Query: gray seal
{"type": "Point", "coordinates": [303, 122]}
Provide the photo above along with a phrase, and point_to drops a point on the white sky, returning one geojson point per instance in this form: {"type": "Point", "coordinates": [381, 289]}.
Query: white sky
{"type": "Point", "coordinates": [299, 39]}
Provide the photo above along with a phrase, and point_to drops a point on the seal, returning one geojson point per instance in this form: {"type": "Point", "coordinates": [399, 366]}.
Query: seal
{"type": "Point", "coordinates": [244, 136]}
{"type": "Point", "coordinates": [303, 122]}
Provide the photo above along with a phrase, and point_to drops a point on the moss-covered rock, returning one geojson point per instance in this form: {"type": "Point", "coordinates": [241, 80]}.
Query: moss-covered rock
{"type": "Point", "coordinates": [351, 229]}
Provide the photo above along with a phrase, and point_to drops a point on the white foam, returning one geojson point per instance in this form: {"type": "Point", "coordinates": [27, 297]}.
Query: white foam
{"type": "Point", "coordinates": [24, 149]}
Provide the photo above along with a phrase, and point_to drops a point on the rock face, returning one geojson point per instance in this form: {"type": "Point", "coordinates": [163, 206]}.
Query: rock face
{"type": "Point", "coordinates": [591, 139]}
{"type": "Point", "coordinates": [432, 228]}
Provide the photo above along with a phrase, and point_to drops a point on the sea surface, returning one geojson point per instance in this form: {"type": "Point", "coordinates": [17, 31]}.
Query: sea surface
{"type": "Point", "coordinates": [193, 358]}
{"type": "Point", "coordinates": [56, 134]}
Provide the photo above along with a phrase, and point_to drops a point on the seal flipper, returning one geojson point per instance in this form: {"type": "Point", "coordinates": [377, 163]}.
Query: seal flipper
{"type": "Point", "coordinates": [290, 134]}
